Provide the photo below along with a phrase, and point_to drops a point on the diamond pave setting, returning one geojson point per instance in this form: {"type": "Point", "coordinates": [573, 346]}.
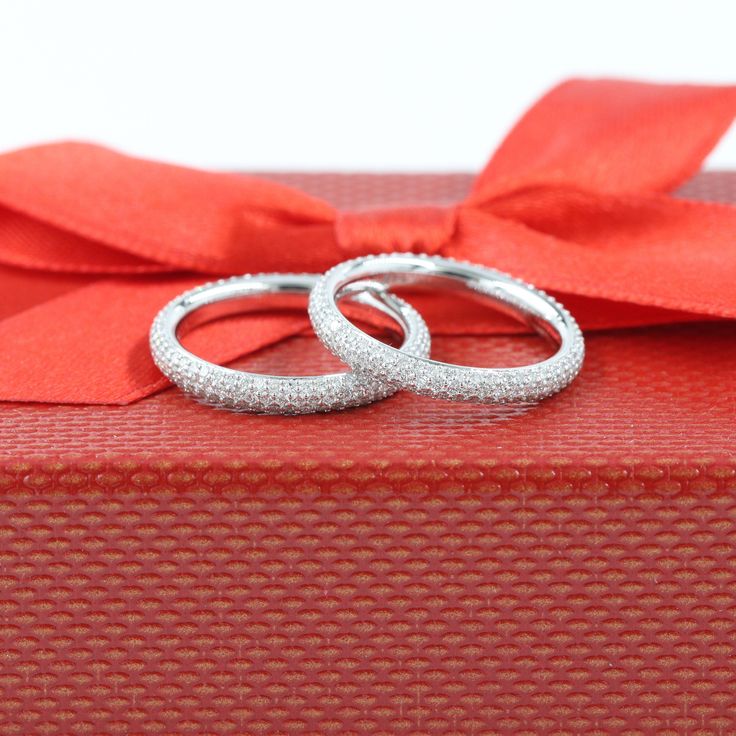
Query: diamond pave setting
{"type": "Point", "coordinates": [421, 375]}
{"type": "Point", "coordinates": [238, 390]}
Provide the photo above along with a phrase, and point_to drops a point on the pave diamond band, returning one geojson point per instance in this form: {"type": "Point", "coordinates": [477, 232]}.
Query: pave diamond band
{"type": "Point", "coordinates": [428, 377]}
{"type": "Point", "coordinates": [252, 392]}
{"type": "Point", "coordinates": [378, 370]}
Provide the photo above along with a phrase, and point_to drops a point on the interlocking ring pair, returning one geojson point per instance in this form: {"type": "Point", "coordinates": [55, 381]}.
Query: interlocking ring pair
{"type": "Point", "coordinates": [378, 370]}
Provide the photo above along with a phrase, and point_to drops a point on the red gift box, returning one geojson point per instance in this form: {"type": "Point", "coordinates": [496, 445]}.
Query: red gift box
{"type": "Point", "coordinates": [413, 566]}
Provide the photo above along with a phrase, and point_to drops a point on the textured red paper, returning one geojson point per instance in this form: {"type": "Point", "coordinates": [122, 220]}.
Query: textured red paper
{"type": "Point", "coordinates": [412, 567]}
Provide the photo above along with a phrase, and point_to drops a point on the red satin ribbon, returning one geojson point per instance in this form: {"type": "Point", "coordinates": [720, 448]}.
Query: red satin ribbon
{"type": "Point", "coordinates": [576, 200]}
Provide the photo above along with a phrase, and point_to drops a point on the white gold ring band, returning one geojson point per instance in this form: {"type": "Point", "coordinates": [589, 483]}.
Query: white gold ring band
{"type": "Point", "coordinates": [270, 394]}
{"type": "Point", "coordinates": [422, 375]}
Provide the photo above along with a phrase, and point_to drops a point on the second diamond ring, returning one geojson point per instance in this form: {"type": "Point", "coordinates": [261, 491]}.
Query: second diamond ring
{"type": "Point", "coordinates": [418, 373]}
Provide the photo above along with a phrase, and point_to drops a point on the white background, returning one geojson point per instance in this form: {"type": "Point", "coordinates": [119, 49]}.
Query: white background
{"type": "Point", "coordinates": [331, 84]}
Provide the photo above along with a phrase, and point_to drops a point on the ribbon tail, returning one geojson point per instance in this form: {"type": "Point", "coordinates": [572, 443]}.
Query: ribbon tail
{"type": "Point", "coordinates": [90, 346]}
{"type": "Point", "coordinates": [654, 251]}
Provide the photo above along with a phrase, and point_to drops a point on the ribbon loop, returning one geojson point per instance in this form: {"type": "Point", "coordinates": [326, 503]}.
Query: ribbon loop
{"type": "Point", "coordinates": [404, 229]}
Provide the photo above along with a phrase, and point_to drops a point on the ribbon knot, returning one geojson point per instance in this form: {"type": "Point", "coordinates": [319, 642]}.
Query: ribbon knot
{"type": "Point", "coordinates": [577, 200]}
{"type": "Point", "coordinates": [404, 229]}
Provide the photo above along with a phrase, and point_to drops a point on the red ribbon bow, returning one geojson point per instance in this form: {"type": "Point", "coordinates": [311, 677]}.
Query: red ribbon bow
{"type": "Point", "coordinates": [576, 200]}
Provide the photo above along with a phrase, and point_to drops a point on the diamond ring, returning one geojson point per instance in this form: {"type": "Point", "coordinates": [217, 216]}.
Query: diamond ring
{"type": "Point", "coordinates": [252, 392]}
{"type": "Point", "coordinates": [421, 375]}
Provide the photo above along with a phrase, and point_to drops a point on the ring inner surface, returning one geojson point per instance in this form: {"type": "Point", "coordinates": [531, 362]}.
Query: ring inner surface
{"type": "Point", "coordinates": [508, 297]}
{"type": "Point", "coordinates": [254, 297]}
